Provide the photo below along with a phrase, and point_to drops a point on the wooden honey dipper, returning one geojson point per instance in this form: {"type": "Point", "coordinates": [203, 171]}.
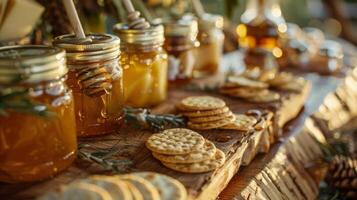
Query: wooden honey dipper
{"type": "Point", "coordinates": [93, 80]}
{"type": "Point", "coordinates": [134, 19]}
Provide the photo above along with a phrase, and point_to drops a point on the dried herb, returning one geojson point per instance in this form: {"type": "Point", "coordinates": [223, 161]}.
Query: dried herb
{"type": "Point", "coordinates": [143, 118]}
{"type": "Point", "coordinates": [105, 158]}
{"type": "Point", "coordinates": [18, 100]}
{"type": "Point", "coordinates": [201, 88]}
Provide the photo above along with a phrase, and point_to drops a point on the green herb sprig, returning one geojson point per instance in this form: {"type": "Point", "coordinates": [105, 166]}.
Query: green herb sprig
{"type": "Point", "coordinates": [18, 100]}
{"type": "Point", "coordinates": [104, 157]}
{"type": "Point", "coordinates": [143, 118]}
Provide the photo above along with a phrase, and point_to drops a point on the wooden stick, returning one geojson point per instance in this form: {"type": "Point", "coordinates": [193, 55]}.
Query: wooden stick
{"type": "Point", "coordinates": [198, 7]}
{"type": "Point", "coordinates": [129, 6]}
{"type": "Point", "coordinates": [74, 19]}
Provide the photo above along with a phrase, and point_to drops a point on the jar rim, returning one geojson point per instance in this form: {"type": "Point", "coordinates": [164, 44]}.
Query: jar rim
{"type": "Point", "coordinates": [152, 35]}
{"type": "Point", "coordinates": [31, 64]}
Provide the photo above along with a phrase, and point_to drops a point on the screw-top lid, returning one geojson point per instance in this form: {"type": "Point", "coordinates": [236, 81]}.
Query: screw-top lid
{"type": "Point", "coordinates": [209, 21]}
{"type": "Point", "coordinates": [148, 36]}
{"type": "Point", "coordinates": [101, 47]}
{"type": "Point", "coordinates": [184, 27]}
{"type": "Point", "coordinates": [31, 64]}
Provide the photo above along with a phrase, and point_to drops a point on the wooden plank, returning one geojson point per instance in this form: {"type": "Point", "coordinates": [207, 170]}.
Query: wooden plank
{"type": "Point", "coordinates": [131, 141]}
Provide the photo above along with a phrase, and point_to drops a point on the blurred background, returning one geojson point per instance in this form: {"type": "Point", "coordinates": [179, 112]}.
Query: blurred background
{"type": "Point", "coordinates": [337, 18]}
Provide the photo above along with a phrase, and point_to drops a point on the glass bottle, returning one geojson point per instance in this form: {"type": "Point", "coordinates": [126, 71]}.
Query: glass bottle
{"type": "Point", "coordinates": [37, 122]}
{"type": "Point", "coordinates": [262, 24]}
{"type": "Point", "coordinates": [96, 80]}
{"type": "Point", "coordinates": [144, 63]}
{"type": "Point", "coordinates": [180, 44]}
{"type": "Point", "coordinates": [211, 38]}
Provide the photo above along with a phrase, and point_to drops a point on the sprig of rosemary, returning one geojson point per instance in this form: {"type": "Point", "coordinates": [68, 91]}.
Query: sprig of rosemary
{"type": "Point", "coordinates": [143, 118]}
{"type": "Point", "coordinates": [103, 157]}
{"type": "Point", "coordinates": [201, 88]}
{"type": "Point", "coordinates": [18, 100]}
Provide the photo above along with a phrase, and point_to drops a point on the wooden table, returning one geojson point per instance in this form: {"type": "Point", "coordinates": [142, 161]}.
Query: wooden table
{"type": "Point", "coordinates": [238, 146]}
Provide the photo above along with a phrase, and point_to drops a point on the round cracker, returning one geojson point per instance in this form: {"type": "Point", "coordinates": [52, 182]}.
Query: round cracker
{"type": "Point", "coordinates": [135, 193]}
{"type": "Point", "coordinates": [241, 123]}
{"type": "Point", "coordinates": [241, 81]}
{"type": "Point", "coordinates": [211, 125]}
{"type": "Point", "coordinates": [201, 103]}
{"type": "Point", "coordinates": [84, 191]}
{"type": "Point", "coordinates": [200, 167]}
{"type": "Point", "coordinates": [205, 153]}
{"type": "Point", "coordinates": [148, 191]}
{"type": "Point", "coordinates": [175, 141]}
{"type": "Point", "coordinates": [169, 188]}
{"type": "Point", "coordinates": [264, 97]}
{"type": "Point", "coordinates": [210, 118]}
{"type": "Point", "coordinates": [116, 188]}
{"type": "Point", "coordinates": [242, 92]}
{"type": "Point", "coordinates": [206, 113]}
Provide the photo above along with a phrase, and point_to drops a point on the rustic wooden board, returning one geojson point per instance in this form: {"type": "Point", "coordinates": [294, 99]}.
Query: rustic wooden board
{"type": "Point", "coordinates": [131, 141]}
{"type": "Point", "coordinates": [266, 176]}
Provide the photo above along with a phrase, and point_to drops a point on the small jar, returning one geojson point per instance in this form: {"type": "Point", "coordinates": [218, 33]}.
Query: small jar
{"type": "Point", "coordinates": [96, 80]}
{"type": "Point", "coordinates": [211, 38]}
{"type": "Point", "coordinates": [144, 63]}
{"type": "Point", "coordinates": [180, 44]}
{"type": "Point", "coordinates": [37, 122]}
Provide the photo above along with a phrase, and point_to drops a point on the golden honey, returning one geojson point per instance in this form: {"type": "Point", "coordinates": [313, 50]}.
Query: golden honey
{"type": "Point", "coordinates": [180, 44]}
{"type": "Point", "coordinates": [34, 146]}
{"type": "Point", "coordinates": [97, 82]}
{"type": "Point", "coordinates": [261, 25]}
{"type": "Point", "coordinates": [144, 64]}
{"type": "Point", "coordinates": [211, 38]}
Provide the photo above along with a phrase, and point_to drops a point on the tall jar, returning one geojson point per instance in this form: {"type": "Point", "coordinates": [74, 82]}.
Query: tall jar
{"type": "Point", "coordinates": [211, 38]}
{"type": "Point", "coordinates": [180, 44]}
{"type": "Point", "coordinates": [37, 123]}
{"type": "Point", "coordinates": [96, 80]}
{"type": "Point", "coordinates": [144, 63]}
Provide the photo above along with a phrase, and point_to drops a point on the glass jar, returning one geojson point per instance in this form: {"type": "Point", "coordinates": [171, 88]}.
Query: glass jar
{"type": "Point", "coordinates": [180, 44]}
{"type": "Point", "coordinates": [96, 80]}
{"type": "Point", "coordinates": [37, 122]}
{"type": "Point", "coordinates": [211, 38]}
{"type": "Point", "coordinates": [144, 63]}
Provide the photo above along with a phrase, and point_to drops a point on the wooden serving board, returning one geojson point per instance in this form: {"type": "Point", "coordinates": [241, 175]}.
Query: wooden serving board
{"type": "Point", "coordinates": [236, 145]}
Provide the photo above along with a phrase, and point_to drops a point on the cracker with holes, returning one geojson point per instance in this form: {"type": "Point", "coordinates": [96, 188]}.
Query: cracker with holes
{"type": "Point", "coordinates": [199, 167]}
{"type": "Point", "coordinates": [241, 123]}
{"type": "Point", "coordinates": [205, 153]}
{"type": "Point", "coordinates": [205, 113]}
{"type": "Point", "coordinates": [196, 103]}
{"type": "Point", "coordinates": [175, 141]}
{"type": "Point", "coordinates": [211, 125]}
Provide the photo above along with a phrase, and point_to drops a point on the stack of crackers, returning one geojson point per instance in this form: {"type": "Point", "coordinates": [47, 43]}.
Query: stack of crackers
{"type": "Point", "coordinates": [206, 112]}
{"type": "Point", "coordinates": [287, 82]}
{"type": "Point", "coordinates": [185, 151]}
{"type": "Point", "coordinates": [248, 89]}
{"type": "Point", "coordinates": [138, 186]}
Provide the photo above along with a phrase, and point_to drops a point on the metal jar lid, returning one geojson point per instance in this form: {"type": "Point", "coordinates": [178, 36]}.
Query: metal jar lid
{"type": "Point", "coordinates": [100, 47]}
{"type": "Point", "coordinates": [210, 21]}
{"type": "Point", "coordinates": [184, 27]}
{"type": "Point", "coordinates": [149, 36]}
{"type": "Point", "coordinates": [31, 64]}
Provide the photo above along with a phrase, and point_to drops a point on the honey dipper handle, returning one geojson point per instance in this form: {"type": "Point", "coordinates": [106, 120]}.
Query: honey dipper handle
{"type": "Point", "coordinates": [129, 6]}
{"type": "Point", "coordinates": [73, 17]}
{"type": "Point", "coordinates": [198, 7]}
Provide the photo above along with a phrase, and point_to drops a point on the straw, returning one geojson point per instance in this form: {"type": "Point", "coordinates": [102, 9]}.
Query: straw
{"type": "Point", "coordinates": [74, 19]}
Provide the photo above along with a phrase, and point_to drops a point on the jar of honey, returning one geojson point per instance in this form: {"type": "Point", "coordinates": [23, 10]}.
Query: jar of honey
{"type": "Point", "coordinates": [144, 63]}
{"type": "Point", "coordinates": [37, 122]}
{"type": "Point", "coordinates": [96, 80]}
{"type": "Point", "coordinates": [180, 43]}
{"type": "Point", "coordinates": [211, 38]}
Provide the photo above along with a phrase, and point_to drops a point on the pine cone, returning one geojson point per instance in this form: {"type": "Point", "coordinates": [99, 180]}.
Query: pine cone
{"type": "Point", "coordinates": [342, 175]}
{"type": "Point", "coordinates": [56, 16]}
